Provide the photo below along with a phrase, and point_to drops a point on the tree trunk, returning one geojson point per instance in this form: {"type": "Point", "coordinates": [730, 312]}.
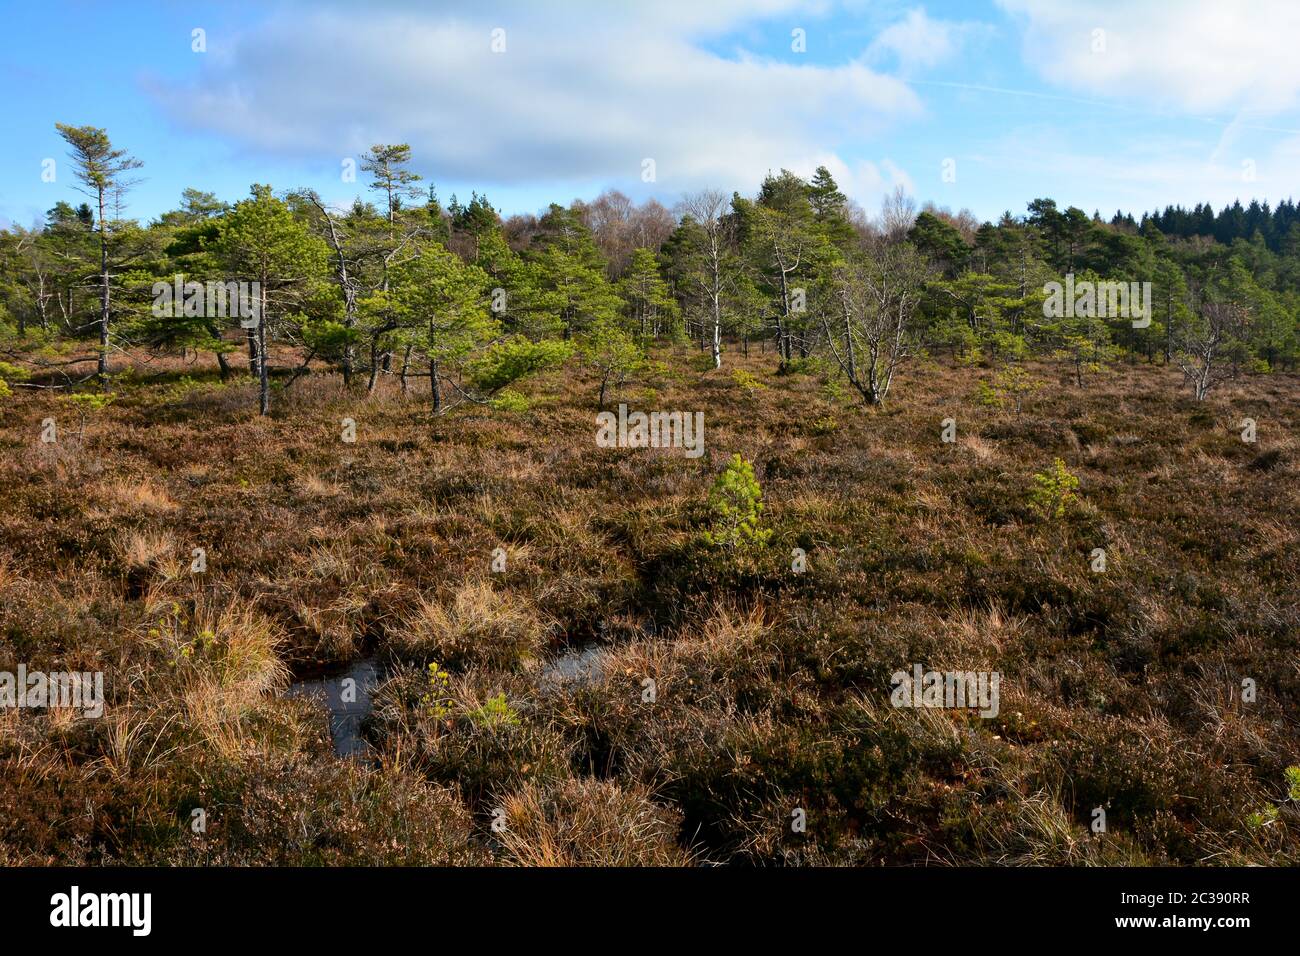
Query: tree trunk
{"type": "Point", "coordinates": [435, 389]}
{"type": "Point", "coordinates": [374, 363]}
{"type": "Point", "coordinates": [1169, 327]}
{"type": "Point", "coordinates": [848, 348]}
{"type": "Point", "coordinates": [263, 372]}
{"type": "Point", "coordinates": [783, 322]}
{"type": "Point", "coordinates": [104, 295]}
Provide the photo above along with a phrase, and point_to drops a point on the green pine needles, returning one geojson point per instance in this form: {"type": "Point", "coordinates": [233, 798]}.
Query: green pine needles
{"type": "Point", "coordinates": [736, 504]}
{"type": "Point", "coordinates": [1054, 491]}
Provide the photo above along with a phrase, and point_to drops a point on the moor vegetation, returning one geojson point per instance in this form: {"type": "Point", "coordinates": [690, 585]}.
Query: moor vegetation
{"type": "Point", "coordinates": [627, 655]}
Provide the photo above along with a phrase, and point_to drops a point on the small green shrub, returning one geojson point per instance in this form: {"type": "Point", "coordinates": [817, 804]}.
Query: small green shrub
{"type": "Point", "coordinates": [702, 363]}
{"type": "Point", "coordinates": [1009, 386]}
{"type": "Point", "coordinates": [1054, 491]}
{"type": "Point", "coordinates": [812, 365]}
{"type": "Point", "coordinates": [10, 373]}
{"type": "Point", "coordinates": [510, 401]}
{"type": "Point", "coordinates": [988, 394]}
{"type": "Point", "coordinates": [185, 387]}
{"type": "Point", "coordinates": [1268, 815]}
{"type": "Point", "coordinates": [825, 425]}
{"type": "Point", "coordinates": [496, 713]}
{"type": "Point", "coordinates": [1259, 819]}
{"type": "Point", "coordinates": [736, 503]}
{"type": "Point", "coordinates": [88, 402]}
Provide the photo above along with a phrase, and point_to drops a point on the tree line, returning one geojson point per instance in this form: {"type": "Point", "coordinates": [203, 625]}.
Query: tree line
{"type": "Point", "coordinates": [469, 302]}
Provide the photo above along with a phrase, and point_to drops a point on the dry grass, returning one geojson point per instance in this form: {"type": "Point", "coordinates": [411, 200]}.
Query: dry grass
{"type": "Point", "coordinates": [142, 549]}
{"type": "Point", "coordinates": [729, 693]}
{"type": "Point", "coordinates": [475, 623]}
{"type": "Point", "coordinates": [223, 666]}
{"type": "Point", "coordinates": [585, 822]}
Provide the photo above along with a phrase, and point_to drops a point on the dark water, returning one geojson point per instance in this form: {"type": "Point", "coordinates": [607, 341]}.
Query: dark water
{"type": "Point", "coordinates": [347, 697]}
{"type": "Point", "coordinates": [346, 694]}
{"type": "Point", "coordinates": [581, 665]}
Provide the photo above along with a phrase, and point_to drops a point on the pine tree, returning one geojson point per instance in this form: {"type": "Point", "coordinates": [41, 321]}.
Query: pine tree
{"type": "Point", "coordinates": [102, 170]}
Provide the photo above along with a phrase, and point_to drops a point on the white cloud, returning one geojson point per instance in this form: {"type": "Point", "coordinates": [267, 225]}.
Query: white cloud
{"type": "Point", "coordinates": [585, 96]}
{"type": "Point", "coordinates": [869, 183]}
{"type": "Point", "coordinates": [1189, 54]}
{"type": "Point", "coordinates": [918, 42]}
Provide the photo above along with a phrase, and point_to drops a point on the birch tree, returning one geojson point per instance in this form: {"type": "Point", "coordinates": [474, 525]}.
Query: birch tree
{"type": "Point", "coordinates": [878, 296]}
{"type": "Point", "coordinates": [707, 209]}
{"type": "Point", "coordinates": [1209, 345]}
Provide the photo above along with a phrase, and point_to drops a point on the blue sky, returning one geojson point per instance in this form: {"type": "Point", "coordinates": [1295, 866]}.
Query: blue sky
{"type": "Point", "coordinates": [1099, 104]}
